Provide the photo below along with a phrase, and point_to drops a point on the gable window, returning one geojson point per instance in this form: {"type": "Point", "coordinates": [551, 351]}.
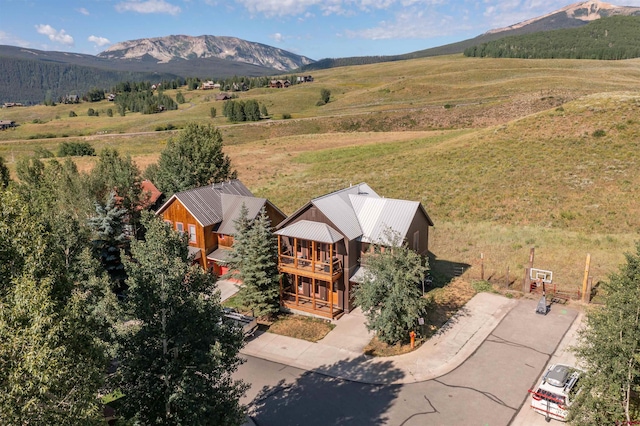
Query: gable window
{"type": "Point", "coordinates": [416, 241]}
{"type": "Point", "coordinates": [179, 227]}
{"type": "Point", "coordinates": [192, 233]}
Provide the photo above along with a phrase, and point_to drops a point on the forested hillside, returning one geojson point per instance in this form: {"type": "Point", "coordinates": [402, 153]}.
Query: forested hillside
{"type": "Point", "coordinates": [33, 81]}
{"type": "Point", "coordinates": [616, 37]}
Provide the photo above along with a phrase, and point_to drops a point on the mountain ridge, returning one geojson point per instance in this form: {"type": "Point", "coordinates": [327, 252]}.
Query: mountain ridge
{"type": "Point", "coordinates": [183, 47]}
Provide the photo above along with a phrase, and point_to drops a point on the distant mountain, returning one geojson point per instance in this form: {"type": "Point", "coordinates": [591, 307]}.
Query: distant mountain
{"type": "Point", "coordinates": [610, 38]}
{"type": "Point", "coordinates": [572, 16]}
{"type": "Point", "coordinates": [181, 47]}
{"type": "Point", "coordinates": [30, 75]}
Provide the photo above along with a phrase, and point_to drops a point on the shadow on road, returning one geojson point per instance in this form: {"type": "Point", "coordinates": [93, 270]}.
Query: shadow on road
{"type": "Point", "coordinates": [317, 398]}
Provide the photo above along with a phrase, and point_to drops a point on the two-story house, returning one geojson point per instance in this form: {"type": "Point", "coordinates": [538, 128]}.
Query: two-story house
{"type": "Point", "coordinates": [321, 245]}
{"type": "Point", "coordinates": [207, 215]}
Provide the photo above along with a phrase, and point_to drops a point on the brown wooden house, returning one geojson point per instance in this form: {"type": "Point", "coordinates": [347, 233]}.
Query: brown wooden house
{"type": "Point", "coordinates": [207, 216]}
{"type": "Point", "coordinates": [320, 246]}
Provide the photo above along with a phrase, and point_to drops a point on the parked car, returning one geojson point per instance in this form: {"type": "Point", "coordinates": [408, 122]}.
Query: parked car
{"type": "Point", "coordinates": [554, 394]}
{"type": "Point", "coordinates": [247, 323]}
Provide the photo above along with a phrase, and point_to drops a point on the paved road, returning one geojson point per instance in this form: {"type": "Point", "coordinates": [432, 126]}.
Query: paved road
{"type": "Point", "coordinates": [487, 389]}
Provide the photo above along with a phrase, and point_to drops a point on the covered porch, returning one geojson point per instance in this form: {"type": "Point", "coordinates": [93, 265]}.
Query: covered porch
{"type": "Point", "coordinates": [311, 265]}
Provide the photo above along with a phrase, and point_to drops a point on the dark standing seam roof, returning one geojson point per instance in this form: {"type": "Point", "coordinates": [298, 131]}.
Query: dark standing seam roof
{"type": "Point", "coordinates": [205, 203]}
{"type": "Point", "coordinates": [231, 208]}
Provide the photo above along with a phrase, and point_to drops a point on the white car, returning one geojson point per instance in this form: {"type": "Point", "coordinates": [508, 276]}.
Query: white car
{"type": "Point", "coordinates": [554, 394]}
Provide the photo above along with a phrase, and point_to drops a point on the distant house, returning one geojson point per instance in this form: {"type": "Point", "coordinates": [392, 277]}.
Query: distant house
{"type": "Point", "coordinates": [223, 96]}
{"type": "Point", "coordinates": [151, 196]}
{"type": "Point", "coordinates": [111, 97]}
{"type": "Point", "coordinates": [11, 104]}
{"type": "Point", "coordinates": [207, 215]}
{"type": "Point", "coordinates": [208, 85]}
{"type": "Point", "coordinates": [279, 84]}
{"type": "Point", "coordinates": [71, 99]}
{"type": "Point", "coordinates": [304, 79]}
{"type": "Point", "coordinates": [321, 246]}
{"type": "Point", "coordinates": [6, 124]}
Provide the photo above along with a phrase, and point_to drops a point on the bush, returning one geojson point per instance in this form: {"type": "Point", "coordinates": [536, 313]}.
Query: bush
{"type": "Point", "coordinates": [599, 133]}
{"type": "Point", "coordinates": [286, 116]}
{"type": "Point", "coordinates": [72, 114]}
{"type": "Point", "coordinates": [37, 121]}
{"type": "Point", "coordinates": [482, 287]}
{"type": "Point", "coordinates": [40, 152]}
{"type": "Point", "coordinates": [109, 112]}
{"type": "Point", "coordinates": [325, 95]}
{"type": "Point", "coordinates": [213, 112]}
{"type": "Point", "coordinates": [92, 113]}
{"type": "Point", "coordinates": [68, 149]}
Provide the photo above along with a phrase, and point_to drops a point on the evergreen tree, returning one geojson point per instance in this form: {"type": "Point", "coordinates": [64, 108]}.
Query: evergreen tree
{"type": "Point", "coordinates": [110, 237]}
{"type": "Point", "coordinates": [263, 110]}
{"type": "Point", "coordinates": [609, 350]}
{"type": "Point", "coordinates": [194, 159]}
{"type": "Point", "coordinates": [253, 260]}
{"type": "Point", "coordinates": [325, 95]}
{"type": "Point", "coordinates": [390, 295]}
{"type": "Point", "coordinates": [177, 356]}
{"type": "Point", "coordinates": [121, 175]}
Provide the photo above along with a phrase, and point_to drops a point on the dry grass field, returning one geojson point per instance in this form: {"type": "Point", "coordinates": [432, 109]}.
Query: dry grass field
{"type": "Point", "coordinates": [505, 154]}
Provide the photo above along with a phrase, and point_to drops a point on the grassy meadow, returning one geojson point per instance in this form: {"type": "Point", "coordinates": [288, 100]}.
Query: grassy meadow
{"type": "Point", "coordinates": [505, 154]}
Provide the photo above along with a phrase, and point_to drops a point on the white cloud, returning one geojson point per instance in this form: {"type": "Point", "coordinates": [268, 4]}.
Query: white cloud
{"type": "Point", "coordinates": [149, 6]}
{"type": "Point", "coordinates": [83, 11]}
{"type": "Point", "coordinates": [412, 23]}
{"type": "Point", "coordinates": [98, 41]}
{"type": "Point", "coordinates": [327, 7]}
{"type": "Point", "coordinates": [6, 38]}
{"type": "Point", "coordinates": [277, 37]}
{"type": "Point", "coordinates": [55, 35]}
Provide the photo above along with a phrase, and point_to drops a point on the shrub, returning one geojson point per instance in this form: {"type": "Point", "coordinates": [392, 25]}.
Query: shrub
{"type": "Point", "coordinates": [92, 112]}
{"type": "Point", "coordinates": [68, 149]}
{"type": "Point", "coordinates": [37, 121]}
{"type": "Point", "coordinates": [286, 116]}
{"type": "Point", "coordinates": [213, 112]}
{"type": "Point", "coordinates": [40, 152]}
{"type": "Point", "coordinates": [109, 112]}
{"type": "Point", "coordinates": [72, 114]}
{"type": "Point", "coordinates": [599, 133]}
{"type": "Point", "coordinates": [482, 287]}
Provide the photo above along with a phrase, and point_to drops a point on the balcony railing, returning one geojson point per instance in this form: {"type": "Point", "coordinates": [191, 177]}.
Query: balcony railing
{"type": "Point", "coordinates": [311, 265]}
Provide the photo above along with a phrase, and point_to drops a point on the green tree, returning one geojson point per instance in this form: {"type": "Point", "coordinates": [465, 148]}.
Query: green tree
{"type": "Point", "coordinates": [194, 159]}
{"type": "Point", "coordinates": [263, 110]}
{"type": "Point", "coordinates": [108, 226]}
{"type": "Point", "coordinates": [180, 97]}
{"type": "Point", "coordinates": [5, 176]}
{"type": "Point", "coordinates": [119, 174]}
{"type": "Point", "coordinates": [609, 351]}
{"type": "Point", "coordinates": [213, 112]}
{"type": "Point", "coordinates": [177, 356]}
{"type": "Point", "coordinates": [52, 358]}
{"type": "Point", "coordinates": [252, 260]}
{"type": "Point", "coordinates": [325, 95]}
{"type": "Point", "coordinates": [390, 295]}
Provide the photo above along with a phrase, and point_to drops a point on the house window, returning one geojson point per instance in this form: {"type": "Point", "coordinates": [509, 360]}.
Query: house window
{"type": "Point", "coordinates": [416, 241]}
{"type": "Point", "coordinates": [192, 233]}
{"type": "Point", "coordinates": [179, 227]}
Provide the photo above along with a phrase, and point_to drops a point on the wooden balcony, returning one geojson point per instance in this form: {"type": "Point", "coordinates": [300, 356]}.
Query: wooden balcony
{"type": "Point", "coordinates": [311, 305]}
{"type": "Point", "coordinates": [310, 267]}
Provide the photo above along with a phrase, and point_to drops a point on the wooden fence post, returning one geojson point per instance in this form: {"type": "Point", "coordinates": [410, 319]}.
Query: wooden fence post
{"type": "Point", "coordinates": [585, 296]}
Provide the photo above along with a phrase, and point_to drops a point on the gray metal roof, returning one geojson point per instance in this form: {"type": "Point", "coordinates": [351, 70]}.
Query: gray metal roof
{"type": "Point", "coordinates": [231, 207]}
{"type": "Point", "coordinates": [377, 214]}
{"type": "Point", "coordinates": [221, 254]}
{"type": "Point", "coordinates": [314, 231]}
{"type": "Point", "coordinates": [205, 203]}
{"type": "Point", "coordinates": [338, 209]}
{"type": "Point", "coordinates": [358, 275]}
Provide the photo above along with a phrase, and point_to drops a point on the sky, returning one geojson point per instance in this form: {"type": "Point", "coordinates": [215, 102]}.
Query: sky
{"type": "Point", "coordinates": [313, 28]}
